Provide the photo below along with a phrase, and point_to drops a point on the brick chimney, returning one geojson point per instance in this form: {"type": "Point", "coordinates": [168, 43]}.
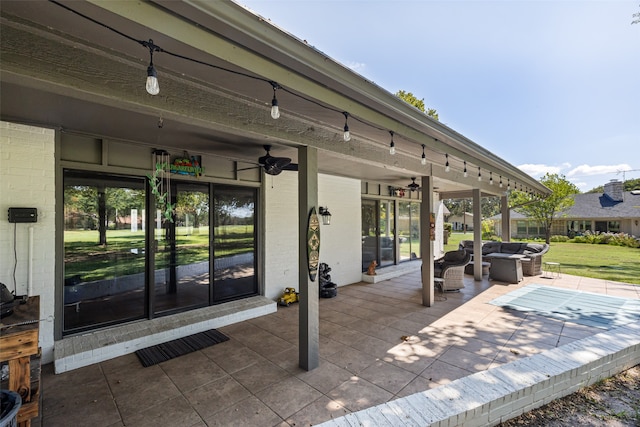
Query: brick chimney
{"type": "Point", "coordinates": [614, 189]}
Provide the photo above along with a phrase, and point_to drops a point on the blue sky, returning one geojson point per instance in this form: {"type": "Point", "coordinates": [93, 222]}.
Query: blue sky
{"type": "Point", "coordinates": [547, 85]}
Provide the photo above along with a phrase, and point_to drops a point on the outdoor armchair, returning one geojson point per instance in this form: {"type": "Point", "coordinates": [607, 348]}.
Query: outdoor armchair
{"type": "Point", "coordinates": [450, 268]}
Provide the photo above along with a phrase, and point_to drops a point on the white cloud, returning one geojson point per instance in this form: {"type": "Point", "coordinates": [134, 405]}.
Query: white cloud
{"type": "Point", "coordinates": [586, 170]}
{"type": "Point", "coordinates": [538, 170]}
{"type": "Point", "coordinates": [358, 67]}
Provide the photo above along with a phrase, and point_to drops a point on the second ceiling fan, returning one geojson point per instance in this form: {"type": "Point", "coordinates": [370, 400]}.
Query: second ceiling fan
{"type": "Point", "coordinates": [273, 165]}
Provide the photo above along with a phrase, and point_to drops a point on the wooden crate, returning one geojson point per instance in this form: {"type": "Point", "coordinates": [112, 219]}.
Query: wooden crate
{"type": "Point", "coordinates": [19, 349]}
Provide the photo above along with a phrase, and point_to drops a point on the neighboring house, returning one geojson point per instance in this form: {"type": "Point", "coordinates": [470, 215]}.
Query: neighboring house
{"type": "Point", "coordinates": [614, 211]}
{"type": "Point", "coordinates": [461, 222]}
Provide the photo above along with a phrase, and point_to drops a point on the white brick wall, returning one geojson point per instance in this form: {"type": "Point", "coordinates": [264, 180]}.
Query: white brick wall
{"type": "Point", "coordinates": [493, 396]}
{"type": "Point", "coordinates": [27, 166]}
{"type": "Point", "coordinates": [340, 245]}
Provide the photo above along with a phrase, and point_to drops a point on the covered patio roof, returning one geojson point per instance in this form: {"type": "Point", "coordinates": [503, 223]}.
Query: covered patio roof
{"type": "Point", "coordinates": [78, 66]}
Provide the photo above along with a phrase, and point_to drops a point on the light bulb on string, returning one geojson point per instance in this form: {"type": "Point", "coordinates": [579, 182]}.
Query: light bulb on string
{"type": "Point", "coordinates": [447, 168]}
{"type": "Point", "coordinates": [423, 160]}
{"type": "Point", "coordinates": [347, 134]}
{"type": "Point", "coordinates": [490, 178]}
{"type": "Point", "coordinates": [500, 181]}
{"type": "Point", "coordinates": [392, 145]}
{"type": "Point", "coordinates": [479, 174]}
{"type": "Point", "coordinates": [152, 86]}
{"type": "Point", "coordinates": [275, 110]}
{"type": "Point", "coordinates": [465, 173]}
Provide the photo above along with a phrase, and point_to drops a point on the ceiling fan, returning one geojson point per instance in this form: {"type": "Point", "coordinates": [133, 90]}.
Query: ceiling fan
{"type": "Point", "coordinates": [413, 186]}
{"type": "Point", "coordinates": [274, 165]}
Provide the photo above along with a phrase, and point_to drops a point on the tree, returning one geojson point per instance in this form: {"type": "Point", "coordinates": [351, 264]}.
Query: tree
{"type": "Point", "coordinates": [544, 211]}
{"type": "Point", "coordinates": [490, 206]}
{"type": "Point", "coordinates": [636, 18]}
{"type": "Point", "coordinates": [410, 98]}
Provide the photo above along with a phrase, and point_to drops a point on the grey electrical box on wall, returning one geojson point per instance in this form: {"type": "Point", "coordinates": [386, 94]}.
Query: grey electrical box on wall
{"type": "Point", "coordinates": [23, 215]}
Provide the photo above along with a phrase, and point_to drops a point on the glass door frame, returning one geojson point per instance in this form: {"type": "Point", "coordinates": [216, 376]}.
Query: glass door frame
{"type": "Point", "coordinates": [384, 241]}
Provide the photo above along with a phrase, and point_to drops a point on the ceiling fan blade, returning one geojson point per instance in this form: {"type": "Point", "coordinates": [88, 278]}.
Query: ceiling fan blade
{"type": "Point", "coordinates": [291, 167]}
{"type": "Point", "coordinates": [275, 165]}
{"type": "Point", "coordinates": [246, 169]}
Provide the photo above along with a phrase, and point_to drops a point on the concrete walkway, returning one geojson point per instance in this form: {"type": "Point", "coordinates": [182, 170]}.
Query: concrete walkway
{"type": "Point", "coordinates": [377, 344]}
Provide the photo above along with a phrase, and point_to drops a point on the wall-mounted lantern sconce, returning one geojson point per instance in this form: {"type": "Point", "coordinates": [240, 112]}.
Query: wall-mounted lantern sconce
{"type": "Point", "coordinates": [326, 215]}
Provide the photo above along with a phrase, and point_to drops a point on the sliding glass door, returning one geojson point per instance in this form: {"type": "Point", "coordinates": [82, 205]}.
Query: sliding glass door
{"type": "Point", "coordinates": [408, 225]}
{"type": "Point", "coordinates": [234, 243]}
{"type": "Point", "coordinates": [104, 260]}
{"type": "Point", "coordinates": [182, 251]}
{"type": "Point", "coordinates": [111, 276]}
{"type": "Point", "coordinates": [378, 232]}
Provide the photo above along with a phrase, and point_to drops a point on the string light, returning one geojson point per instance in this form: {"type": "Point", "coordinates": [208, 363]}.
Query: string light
{"type": "Point", "coordinates": [152, 86]}
{"type": "Point", "coordinates": [275, 111]}
{"type": "Point", "coordinates": [490, 178]}
{"type": "Point", "coordinates": [392, 145]}
{"type": "Point", "coordinates": [508, 185]}
{"type": "Point", "coordinates": [347, 134]}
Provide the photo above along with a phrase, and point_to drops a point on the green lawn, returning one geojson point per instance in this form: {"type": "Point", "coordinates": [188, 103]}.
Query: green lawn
{"type": "Point", "coordinates": [616, 263]}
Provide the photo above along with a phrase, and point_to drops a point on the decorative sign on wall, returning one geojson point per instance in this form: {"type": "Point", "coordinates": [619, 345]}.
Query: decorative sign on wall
{"type": "Point", "coordinates": [187, 165]}
{"type": "Point", "coordinates": [313, 244]}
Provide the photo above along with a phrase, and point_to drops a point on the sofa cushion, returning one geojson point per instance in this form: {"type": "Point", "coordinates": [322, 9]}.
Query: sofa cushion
{"type": "Point", "coordinates": [535, 248]}
{"type": "Point", "coordinates": [512, 248]}
{"type": "Point", "coordinates": [454, 257]}
{"type": "Point", "coordinates": [491, 247]}
{"type": "Point", "coordinates": [467, 245]}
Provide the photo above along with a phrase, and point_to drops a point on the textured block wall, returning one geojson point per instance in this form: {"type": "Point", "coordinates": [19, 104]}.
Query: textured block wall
{"type": "Point", "coordinates": [27, 179]}
{"type": "Point", "coordinates": [340, 246]}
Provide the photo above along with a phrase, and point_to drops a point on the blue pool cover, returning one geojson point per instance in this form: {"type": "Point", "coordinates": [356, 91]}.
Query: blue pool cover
{"type": "Point", "coordinates": [584, 308]}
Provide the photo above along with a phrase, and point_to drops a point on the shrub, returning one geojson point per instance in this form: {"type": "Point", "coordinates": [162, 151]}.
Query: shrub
{"type": "Point", "coordinates": [559, 238]}
{"type": "Point", "coordinates": [616, 239]}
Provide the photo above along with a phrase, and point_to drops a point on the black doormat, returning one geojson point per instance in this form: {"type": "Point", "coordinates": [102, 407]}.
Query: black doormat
{"type": "Point", "coordinates": [162, 352]}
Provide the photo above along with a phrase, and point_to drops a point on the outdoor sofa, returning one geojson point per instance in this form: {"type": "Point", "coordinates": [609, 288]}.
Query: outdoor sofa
{"type": "Point", "coordinates": [531, 264]}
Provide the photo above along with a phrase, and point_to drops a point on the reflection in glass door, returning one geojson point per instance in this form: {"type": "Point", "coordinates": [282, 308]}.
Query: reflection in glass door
{"type": "Point", "coordinates": [182, 251]}
{"type": "Point", "coordinates": [378, 232]}
{"type": "Point", "coordinates": [104, 238]}
{"type": "Point", "coordinates": [234, 243]}
{"type": "Point", "coordinates": [408, 224]}
{"type": "Point", "coordinates": [369, 233]}
{"type": "Point", "coordinates": [387, 237]}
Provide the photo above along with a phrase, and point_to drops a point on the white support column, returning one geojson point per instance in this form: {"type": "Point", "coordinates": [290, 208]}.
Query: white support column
{"type": "Point", "coordinates": [309, 316]}
{"type": "Point", "coordinates": [426, 245]}
{"type": "Point", "coordinates": [477, 234]}
{"type": "Point", "coordinates": [506, 219]}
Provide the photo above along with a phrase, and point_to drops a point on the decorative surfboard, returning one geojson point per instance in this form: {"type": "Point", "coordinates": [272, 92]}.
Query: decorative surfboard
{"type": "Point", "coordinates": [313, 244]}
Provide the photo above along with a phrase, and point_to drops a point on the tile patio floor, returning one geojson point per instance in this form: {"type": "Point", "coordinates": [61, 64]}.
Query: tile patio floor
{"type": "Point", "coordinates": [377, 343]}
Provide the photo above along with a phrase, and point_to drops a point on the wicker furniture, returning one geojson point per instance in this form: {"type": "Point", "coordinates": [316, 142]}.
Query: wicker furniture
{"type": "Point", "coordinates": [531, 262]}
{"type": "Point", "coordinates": [506, 267]}
{"type": "Point", "coordinates": [450, 268]}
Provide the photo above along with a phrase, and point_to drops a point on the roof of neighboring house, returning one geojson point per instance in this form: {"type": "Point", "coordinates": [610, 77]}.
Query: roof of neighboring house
{"type": "Point", "coordinates": [597, 205]}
